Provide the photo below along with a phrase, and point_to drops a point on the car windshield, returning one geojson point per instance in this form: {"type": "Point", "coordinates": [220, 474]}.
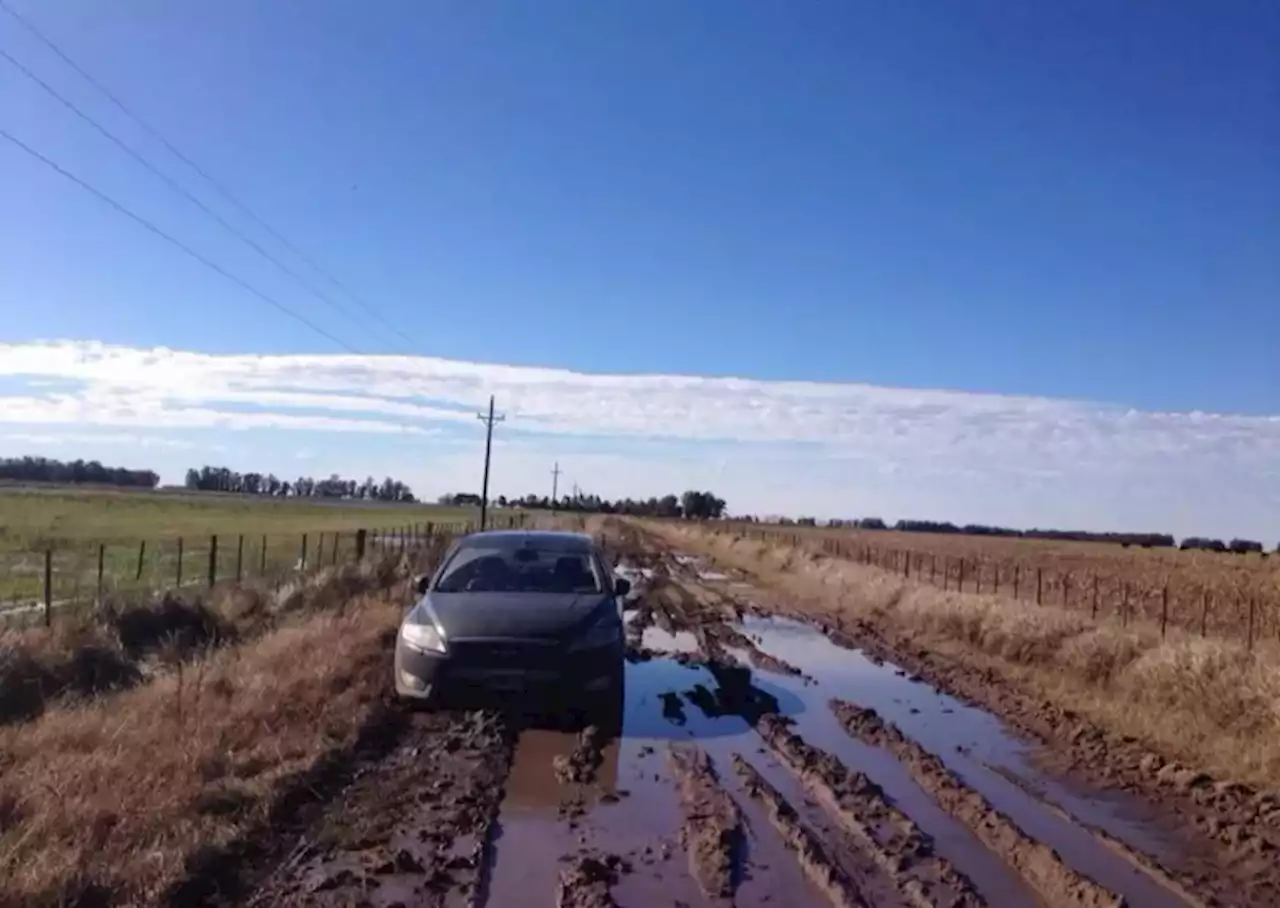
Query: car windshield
{"type": "Point", "coordinates": [477, 569]}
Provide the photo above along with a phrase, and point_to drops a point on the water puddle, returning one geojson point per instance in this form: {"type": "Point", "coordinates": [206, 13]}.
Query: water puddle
{"type": "Point", "coordinates": [964, 738]}
{"type": "Point", "coordinates": [632, 808]}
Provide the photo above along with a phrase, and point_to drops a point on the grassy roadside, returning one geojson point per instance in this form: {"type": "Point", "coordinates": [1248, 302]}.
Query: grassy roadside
{"type": "Point", "coordinates": [109, 801]}
{"type": "Point", "coordinates": [1208, 703]}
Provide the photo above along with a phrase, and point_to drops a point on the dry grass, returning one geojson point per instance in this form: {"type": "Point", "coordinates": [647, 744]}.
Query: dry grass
{"type": "Point", "coordinates": [1210, 703]}
{"type": "Point", "coordinates": [114, 797]}
{"type": "Point", "coordinates": [1208, 593]}
{"type": "Point", "coordinates": [91, 655]}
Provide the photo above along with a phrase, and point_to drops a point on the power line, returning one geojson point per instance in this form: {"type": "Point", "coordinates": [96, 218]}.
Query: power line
{"type": "Point", "coordinates": [165, 236]}
{"type": "Point", "coordinates": [205, 175]}
{"type": "Point", "coordinates": [171, 183]}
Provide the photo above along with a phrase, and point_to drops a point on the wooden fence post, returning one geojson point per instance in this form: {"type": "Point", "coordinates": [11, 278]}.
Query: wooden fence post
{"type": "Point", "coordinates": [960, 579]}
{"type": "Point", "coordinates": [361, 539]}
{"type": "Point", "coordinates": [1039, 585]}
{"type": "Point", "coordinates": [1095, 598]}
{"type": "Point", "coordinates": [995, 583]}
{"type": "Point", "coordinates": [304, 552]}
{"type": "Point", "coordinates": [213, 560]}
{"type": "Point", "coordinates": [48, 587]}
{"type": "Point", "coordinates": [1253, 603]}
{"type": "Point", "coordinates": [240, 558]}
{"type": "Point", "coordinates": [906, 564]}
{"type": "Point", "coordinates": [1124, 604]}
{"type": "Point", "coordinates": [933, 567]}
{"type": "Point", "coordinates": [179, 583]}
{"type": "Point", "coordinates": [142, 553]}
{"type": "Point", "coordinates": [319, 551]}
{"type": "Point", "coordinates": [337, 536]}
{"type": "Point", "coordinates": [977, 575]}
{"type": "Point", "coordinates": [1066, 589]}
{"type": "Point", "coordinates": [1017, 579]}
{"type": "Point", "coordinates": [102, 558]}
{"type": "Point", "coordinates": [1164, 610]}
{"type": "Point", "coordinates": [1204, 611]}
{"type": "Point", "coordinates": [262, 557]}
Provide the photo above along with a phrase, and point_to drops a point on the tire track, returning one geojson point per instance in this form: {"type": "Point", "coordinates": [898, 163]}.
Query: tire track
{"type": "Point", "coordinates": [901, 850]}
{"type": "Point", "coordinates": [712, 831]}
{"type": "Point", "coordinates": [808, 849]}
{"type": "Point", "coordinates": [1164, 876]}
{"type": "Point", "coordinates": [1041, 866]}
{"type": "Point", "coordinates": [401, 833]}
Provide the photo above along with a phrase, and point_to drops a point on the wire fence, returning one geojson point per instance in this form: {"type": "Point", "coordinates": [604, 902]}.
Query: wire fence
{"type": "Point", "coordinates": [1211, 607]}
{"type": "Point", "coordinates": [34, 585]}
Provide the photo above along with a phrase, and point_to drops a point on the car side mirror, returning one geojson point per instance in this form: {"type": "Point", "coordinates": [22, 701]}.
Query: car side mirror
{"type": "Point", "coordinates": [621, 587]}
{"type": "Point", "coordinates": [421, 582]}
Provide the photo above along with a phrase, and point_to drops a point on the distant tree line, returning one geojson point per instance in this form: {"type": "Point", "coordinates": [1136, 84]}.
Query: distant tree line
{"type": "Point", "coordinates": [222, 479]}
{"type": "Point", "coordinates": [694, 505]}
{"type": "Point", "coordinates": [1146, 540]}
{"type": "Point", "coordinates": [45, 469]}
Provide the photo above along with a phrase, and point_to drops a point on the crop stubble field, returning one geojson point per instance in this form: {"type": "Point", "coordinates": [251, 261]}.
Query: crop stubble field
{"type": "Point", "coordinates": [137, 533]}
{"type": "Point", "coordinates": [1208, 593]}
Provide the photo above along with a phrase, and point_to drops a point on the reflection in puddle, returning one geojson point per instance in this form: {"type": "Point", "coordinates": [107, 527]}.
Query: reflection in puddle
{"type": "Point", "coordinates": [964, 738]}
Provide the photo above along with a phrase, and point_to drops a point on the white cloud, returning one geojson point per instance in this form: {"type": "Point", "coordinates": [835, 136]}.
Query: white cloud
{"type": "Point", "coordinates": [127, 439]}
{"type": "Point", "coordinates": [831, 449]}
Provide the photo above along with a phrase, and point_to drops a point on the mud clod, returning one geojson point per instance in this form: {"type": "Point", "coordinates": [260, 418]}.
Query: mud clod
{"type": "Point", "coordinates": [579, 766]}
{"type": "Point", "coordinates": [586, 882]}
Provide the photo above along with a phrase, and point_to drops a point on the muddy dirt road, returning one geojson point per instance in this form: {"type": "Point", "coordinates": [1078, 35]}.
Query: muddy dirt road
{"type": "Point", "coordinates": [760, 764]}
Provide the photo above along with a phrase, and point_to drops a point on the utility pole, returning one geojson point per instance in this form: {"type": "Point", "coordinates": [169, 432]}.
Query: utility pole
{"type": "Point", "coordinates": [488, 448]}
{"type": "Point", "coordinates": [555, 485]}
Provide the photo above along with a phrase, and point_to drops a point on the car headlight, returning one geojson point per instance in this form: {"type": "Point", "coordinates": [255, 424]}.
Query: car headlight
{"type": "Point", "coordinates": [423, 637]}
{"type": "Point", "coordinates": [604, 632]}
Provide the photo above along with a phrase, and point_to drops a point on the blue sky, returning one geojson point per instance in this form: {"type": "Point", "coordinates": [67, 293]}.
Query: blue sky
{"type": "Point", "coordinates": [1050, 203]}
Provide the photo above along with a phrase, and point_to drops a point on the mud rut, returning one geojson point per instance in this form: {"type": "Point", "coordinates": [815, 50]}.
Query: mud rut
{"type": "Point", "coordinates": [760, 763]}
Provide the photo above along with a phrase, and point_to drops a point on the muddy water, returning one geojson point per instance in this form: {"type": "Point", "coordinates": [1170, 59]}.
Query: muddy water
{"type": "Point", "coordinates": [968, 741]}
{"type": "Point", "coordinates": [631, 808]}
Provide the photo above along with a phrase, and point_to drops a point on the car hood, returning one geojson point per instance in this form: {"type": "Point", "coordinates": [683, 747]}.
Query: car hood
{"type": "Point", "coordinates": [533, 615]}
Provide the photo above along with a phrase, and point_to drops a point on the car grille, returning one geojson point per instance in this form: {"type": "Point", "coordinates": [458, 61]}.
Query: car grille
{"type": "Point", "coordinates": [498, 655]}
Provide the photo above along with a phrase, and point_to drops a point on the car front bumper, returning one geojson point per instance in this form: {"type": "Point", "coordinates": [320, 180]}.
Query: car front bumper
{"type": "Point", "coordinates": [568, 675]}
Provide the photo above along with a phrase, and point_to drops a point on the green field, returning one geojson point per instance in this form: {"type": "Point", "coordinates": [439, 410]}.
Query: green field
{"type": "Point", "coordinates": [139, 535]}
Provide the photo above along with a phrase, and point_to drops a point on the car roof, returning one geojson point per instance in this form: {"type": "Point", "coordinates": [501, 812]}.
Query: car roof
{"type": "Point", "coordinates": [547, 540]}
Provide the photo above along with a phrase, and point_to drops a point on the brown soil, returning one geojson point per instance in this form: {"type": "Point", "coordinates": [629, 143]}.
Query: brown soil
{"type": "Point", "coordinates": [712, 828]}
{"type": "Point", "coordinates": [413, 829]}
{"type": "Point", "coordinates": [820, 868]}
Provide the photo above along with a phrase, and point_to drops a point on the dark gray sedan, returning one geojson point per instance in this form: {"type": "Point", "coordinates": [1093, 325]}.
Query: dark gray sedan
{"type": "Point", "coordinates": [522, 614]}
